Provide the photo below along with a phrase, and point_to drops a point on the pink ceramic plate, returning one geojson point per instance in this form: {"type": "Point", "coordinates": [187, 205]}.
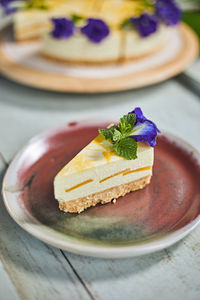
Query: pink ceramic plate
{"type": "Point", "coordinates": [141, 222]}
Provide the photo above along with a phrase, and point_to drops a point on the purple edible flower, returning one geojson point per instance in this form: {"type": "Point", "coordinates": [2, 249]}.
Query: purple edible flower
{"type": "Point", "coordinates": [168, 11]}
{"type": "Point", "coordinates": [144, 130]}
{"type": "Point", "coordinates": [63, 28]}
{"type": "Point", "coordinates": [96, 30]}
{"type": "Point", "coordinates": [7, 7]}
{"type": "Point", "coordinates": [145, 24]}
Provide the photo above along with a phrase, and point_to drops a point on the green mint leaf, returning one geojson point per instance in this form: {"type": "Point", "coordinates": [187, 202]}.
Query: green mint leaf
{"type": "Point", "coordinates": [148, 3]}
{"type": "Point", "coordinates": [119, 135]}
{"type": "Point", "coordinates": [130, 119]}
{"type": "Point", "coordinates": [76, 18]}
{"type": "Point", "coordinates": [126, 24]}
{"type": "Point", "coordinates": [122, 125]}
{"type": "Point", "coordinates": [116, 135]}
{"type": "Point", "coordinates": [108, 132]}
{"type": "Point", "coordinates": [126, 124]}
{"type": "Point", "coordinates": [126, 148]}
{"type": "Point", "coordinates": [38, 4]}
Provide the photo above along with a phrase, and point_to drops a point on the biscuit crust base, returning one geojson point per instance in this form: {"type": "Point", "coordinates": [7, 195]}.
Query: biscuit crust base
{"type": "Point", "coordinates": [79, 205]}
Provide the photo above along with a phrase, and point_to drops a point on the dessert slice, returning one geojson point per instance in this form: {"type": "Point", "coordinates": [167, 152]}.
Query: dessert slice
{"type": "Point", "coordinates": [119, 160]}
{"type": "Point", "coordinates": [31, 24]}
{"type": "Point", "coordinates": [33, 18]}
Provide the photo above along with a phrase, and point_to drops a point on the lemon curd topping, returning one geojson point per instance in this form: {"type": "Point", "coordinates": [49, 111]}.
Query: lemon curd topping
{"type": "Point", "coordinates": [112, 11]}
{"type": "Point", "coordinates": [98, 152]}
{"type": "Point", "coordinates": [107, 155]}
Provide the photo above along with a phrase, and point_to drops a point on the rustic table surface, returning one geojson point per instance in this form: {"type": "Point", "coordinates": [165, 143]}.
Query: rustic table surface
{"type": "Point", "coordinates": [30, 269]}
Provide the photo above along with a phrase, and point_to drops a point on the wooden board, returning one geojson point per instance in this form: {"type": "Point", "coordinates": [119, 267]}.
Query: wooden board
{"type": "Point", "coordinates": [65, 83]}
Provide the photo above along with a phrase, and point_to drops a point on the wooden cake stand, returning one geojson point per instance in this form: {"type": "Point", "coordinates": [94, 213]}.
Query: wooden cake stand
{"type": "Point", "coordinates": [20, 70]}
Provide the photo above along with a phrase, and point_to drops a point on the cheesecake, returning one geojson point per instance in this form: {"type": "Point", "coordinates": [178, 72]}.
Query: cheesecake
{"type": "Point", "coordinates": [110, 31]}
{"type": "Point", "coordinates": [31, 24]}
{"type": "Point", "coordinates": [119, 46]}
{"type": "Point", "coordinates": [96, 32]}
{"type": "Point", "coordinates": [33, 19]}
{"type": "Point", "coordinates": [118, 161]}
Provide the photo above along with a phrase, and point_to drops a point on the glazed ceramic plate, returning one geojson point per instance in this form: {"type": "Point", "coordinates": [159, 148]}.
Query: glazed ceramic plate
{"type": "Point", "coordinates": [141, 222]}
{"type": "Point", "coordinates": [23, 63]}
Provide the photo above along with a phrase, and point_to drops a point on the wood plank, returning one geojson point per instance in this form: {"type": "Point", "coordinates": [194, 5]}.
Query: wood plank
{"type": "Point", "coordinates": [8, 291]}
{"type": "Point", "coordinates": [170, 274]}
{"type": "Point", "coordinates": [36, 270]}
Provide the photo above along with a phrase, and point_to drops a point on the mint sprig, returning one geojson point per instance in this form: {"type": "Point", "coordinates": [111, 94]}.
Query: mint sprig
{"type": "Point", "coordinates": [108, 132]}
{"type": "Point", "coordinates": [76, 18]}
{"type": "Point", "coordinates": [126, 24]}
{"type": "Point", "coordinates": [119, 135]}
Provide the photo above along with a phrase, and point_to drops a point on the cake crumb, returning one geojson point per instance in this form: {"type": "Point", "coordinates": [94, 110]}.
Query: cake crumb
{"type": "Point", "coordinates": [114, 201]}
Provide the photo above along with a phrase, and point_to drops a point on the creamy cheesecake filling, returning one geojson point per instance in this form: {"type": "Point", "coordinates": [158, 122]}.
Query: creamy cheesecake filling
{"type": "Point", "coordinates": [80, 48]}
{"type": "Point", "coordinates": [118, 45]}
{"type": "Point", "coordinates": [124, 173]}
{"type": "Point", "coordinates": [111, 176]}
{"type": "Point", "coordinates": [94, 181]}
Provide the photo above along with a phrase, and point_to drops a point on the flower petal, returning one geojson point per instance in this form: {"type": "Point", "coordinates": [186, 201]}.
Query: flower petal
{"type": "Point", "coordinates": [168, 11]}
{"type": "Point", "coordinates": [145, 24]}
{"type": "Point", "coordinates": [141, 118]}
{"type": "Point", "coordinates": [139, 114]}
{"type": "Point", "coordinates": [145, 132]}
{"type": "Point", "coordinates": [7, 6]}
{"type": "Point", "coordinates": [63, 28]}
{"type": "Point", "coordinates": [95, 30]}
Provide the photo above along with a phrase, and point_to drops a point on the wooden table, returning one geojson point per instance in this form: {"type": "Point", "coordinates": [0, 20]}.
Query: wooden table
{"type": "Point", "coordinates": [29, 269]}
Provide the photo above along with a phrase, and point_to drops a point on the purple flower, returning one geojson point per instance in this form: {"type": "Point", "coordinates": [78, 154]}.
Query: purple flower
{"type": "Point", "coordinates": [168, 11]}
{"type": "Point", "coordinates": [145, 24]}
{"type": "Point", "coordinates": [63, 28]}
{"type": "Point", "coordinates": [96, 30]}
{"type": "Point", "coordinates": [144, 130]}
{"type": "Point", "coordinates": [7, 7]}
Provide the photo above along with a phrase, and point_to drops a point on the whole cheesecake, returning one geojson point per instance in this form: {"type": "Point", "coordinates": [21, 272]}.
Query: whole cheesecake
{"type": "Point", "coordinates": [118, 161]}
{"type": "Point", "coordinates": [93, 32]}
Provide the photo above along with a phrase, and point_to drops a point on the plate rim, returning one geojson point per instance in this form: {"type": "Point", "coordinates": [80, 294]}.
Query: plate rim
{"type": "Point", "coordinates": [63, 83]}
{"type": "Point", "coordinates": [76, 246]}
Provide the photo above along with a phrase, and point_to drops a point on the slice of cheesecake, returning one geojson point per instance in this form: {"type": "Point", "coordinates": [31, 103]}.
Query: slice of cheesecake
{"type": "Point", "coordinates": [98, 174]}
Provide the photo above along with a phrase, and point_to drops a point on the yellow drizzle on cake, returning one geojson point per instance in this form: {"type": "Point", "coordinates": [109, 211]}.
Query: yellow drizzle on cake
{"type": "Point", "coordinates": [111, 176]}
{"type": "Point", "coordinates": [138, 170]}
{"type": "Point", "coordinates": [78, 185]}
